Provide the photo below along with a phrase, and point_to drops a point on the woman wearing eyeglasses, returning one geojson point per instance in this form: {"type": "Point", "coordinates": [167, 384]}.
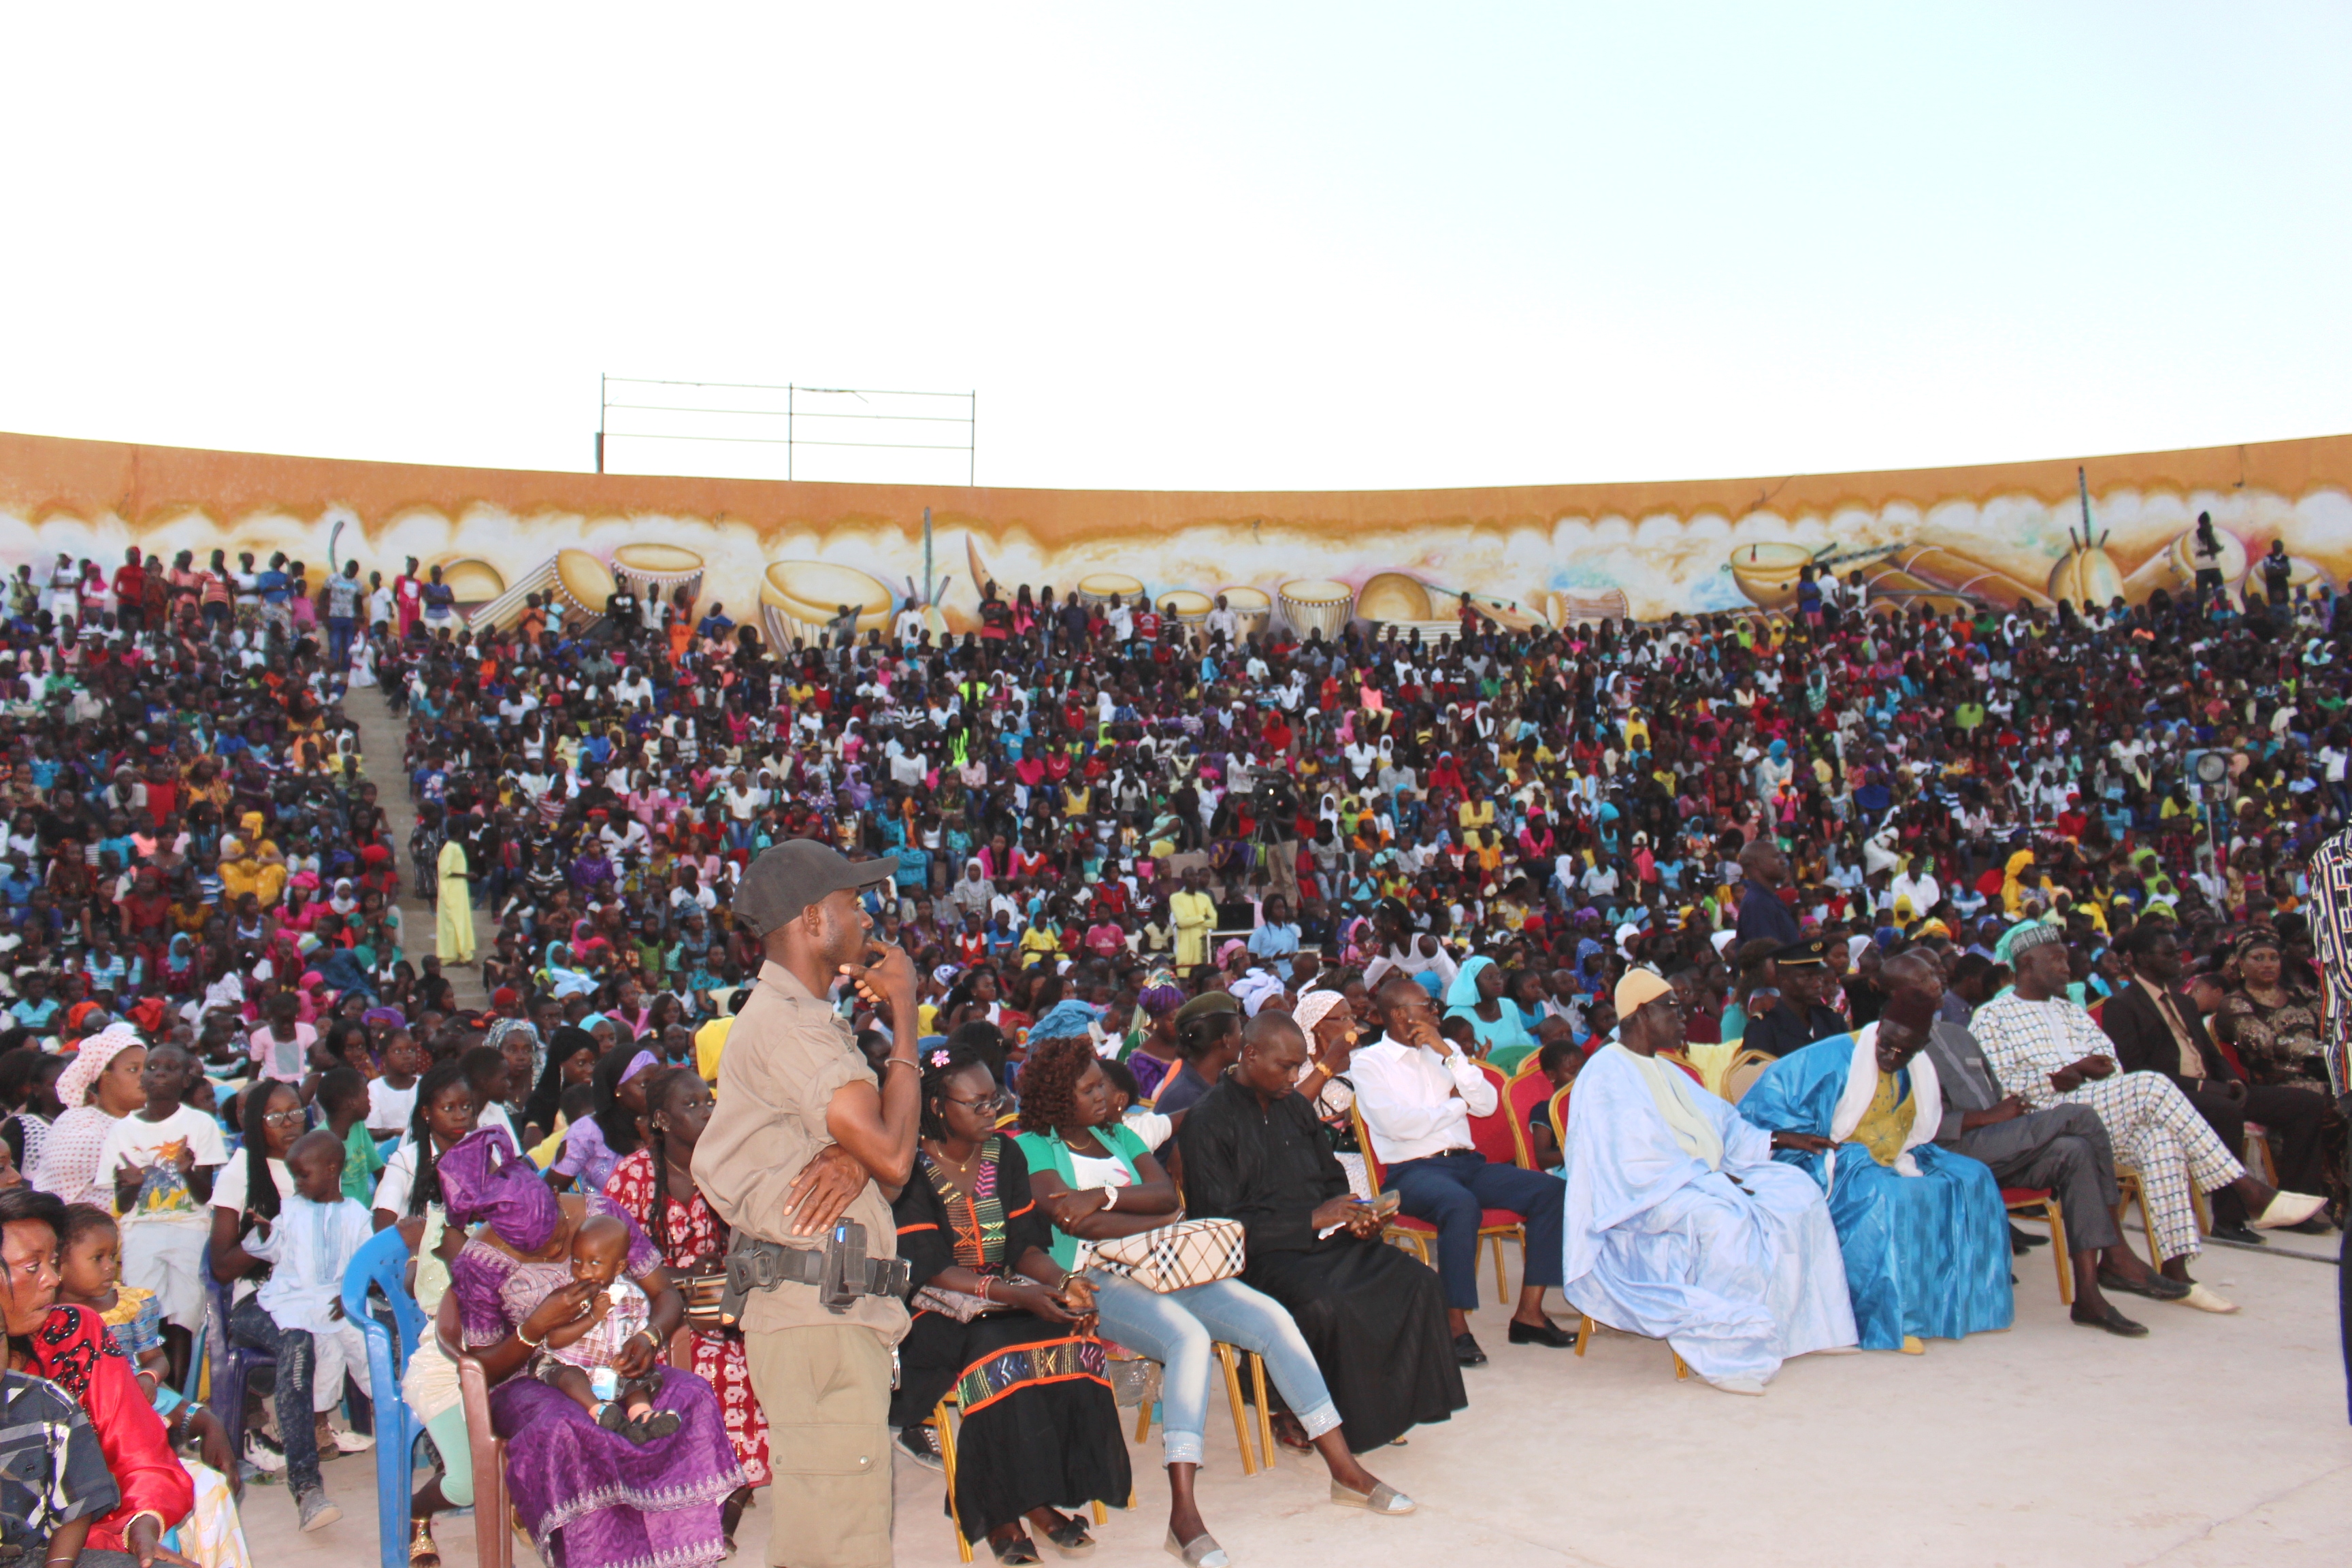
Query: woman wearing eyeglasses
{"type": "Point", "coordinates": [997, 1323]}
{"type": "Point", "coordinates": [248, 1192]}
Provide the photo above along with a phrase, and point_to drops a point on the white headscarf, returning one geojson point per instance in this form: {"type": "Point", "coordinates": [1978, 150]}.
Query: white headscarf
{"type": "Point", "coordinates": [1312, 1008]}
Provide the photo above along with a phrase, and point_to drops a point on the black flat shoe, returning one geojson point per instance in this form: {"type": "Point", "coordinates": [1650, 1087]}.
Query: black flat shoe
{"type": "Point", "coordinates": [1467, 1351]}
{"type": "Point", "coordinates": [1070, 1538]}
{"type": "Point", "coordinates": [2115, 1322]}
{"type": "Point", "coordinates": [2019, 1240]}
{"type": "Point", "coordinates": [2244, 1234]}
{"type": "Point", "coordinates": [2155, 1287]}
{"type": "Point", "coordinates": [1544, 1333]}
{"type": "Point", "coordinates": [1019, 1552]}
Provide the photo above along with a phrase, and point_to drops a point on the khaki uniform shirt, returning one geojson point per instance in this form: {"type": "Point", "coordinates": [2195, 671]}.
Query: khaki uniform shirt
{"type": "Point", "coordinates": [786, 1056]}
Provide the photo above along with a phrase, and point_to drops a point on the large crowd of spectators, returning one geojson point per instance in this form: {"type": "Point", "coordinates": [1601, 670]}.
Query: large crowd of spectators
{"type": "Point", "coordinates": [1160, 879]}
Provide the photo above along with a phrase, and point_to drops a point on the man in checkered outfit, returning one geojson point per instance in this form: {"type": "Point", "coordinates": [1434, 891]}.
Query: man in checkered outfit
{"type": "Point", "coordinates": [2045, 1050]}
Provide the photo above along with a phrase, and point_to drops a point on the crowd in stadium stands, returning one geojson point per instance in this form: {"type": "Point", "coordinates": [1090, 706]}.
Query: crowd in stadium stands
{"type": "Point", "coordinates": [1687, 952]}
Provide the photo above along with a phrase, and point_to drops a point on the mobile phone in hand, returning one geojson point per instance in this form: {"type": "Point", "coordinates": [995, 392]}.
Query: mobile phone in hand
{"type": "Point", "coordinates": [1387, 1202]}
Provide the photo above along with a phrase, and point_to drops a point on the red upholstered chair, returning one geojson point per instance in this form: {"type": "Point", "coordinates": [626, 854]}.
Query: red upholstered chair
{"type": "Point", "coordinates": [1527, 1090]}
{"type": "Point", "coordinates": [1684, 1062]}
{"type": "Point", "coordinates": [1497, 1225]}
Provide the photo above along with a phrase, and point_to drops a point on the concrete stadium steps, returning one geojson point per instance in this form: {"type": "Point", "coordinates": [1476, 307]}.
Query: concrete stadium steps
{"type": "Point", "coordinates": [382, 737]}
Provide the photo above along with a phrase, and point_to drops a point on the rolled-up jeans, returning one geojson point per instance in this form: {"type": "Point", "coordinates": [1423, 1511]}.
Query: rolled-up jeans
{"type": "Point", "coordinates": [1177, 1330]}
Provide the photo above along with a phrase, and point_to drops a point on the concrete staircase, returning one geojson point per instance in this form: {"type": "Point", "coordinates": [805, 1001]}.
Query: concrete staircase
{"type": "Point", "coordinates": [383, 734]}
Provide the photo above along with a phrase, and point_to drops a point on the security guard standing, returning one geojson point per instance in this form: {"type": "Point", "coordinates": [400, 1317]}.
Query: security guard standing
{"type": "Point", "coordinates": [801, 1144]}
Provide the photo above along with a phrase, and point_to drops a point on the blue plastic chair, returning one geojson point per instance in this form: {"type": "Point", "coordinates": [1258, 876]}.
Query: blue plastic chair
{"type": "Point", "coordinates": [233, 1365]}
{"type": "Point", "coordinates": [383, 1264]}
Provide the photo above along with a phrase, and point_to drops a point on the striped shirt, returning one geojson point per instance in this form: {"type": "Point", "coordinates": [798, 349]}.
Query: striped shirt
{"type": "Point", "coordinates": [2027, 1041]}
{"type": "Point", "coordinates": [2331, 926]}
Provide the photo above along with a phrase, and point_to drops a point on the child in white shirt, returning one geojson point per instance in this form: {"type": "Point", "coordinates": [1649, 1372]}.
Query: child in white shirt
{"type": "Point", "coordinates": [307, 1249]}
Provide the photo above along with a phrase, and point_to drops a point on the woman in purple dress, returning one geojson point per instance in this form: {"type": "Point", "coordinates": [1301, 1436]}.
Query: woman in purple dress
{"type": "Point", "coordinates": [589, 1497]}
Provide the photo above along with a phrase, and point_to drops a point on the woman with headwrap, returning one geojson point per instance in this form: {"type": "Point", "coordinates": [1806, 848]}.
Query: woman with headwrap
{"type": "Point", "coordinates": [268, 861]}
{"type": "Point", "coordinates": [589, 1497]}
{"type": "Point", "coordinates": [1151, 1053]}
{"type": "Point", "coordinates": [657, 1186]}
{"type": "Point", "coordinates": [99, 1088]}
{"type": "Point", "coordinates": [1477, 996]}
{"type": "Point", "coordinates": [1774, 771]}
{"type": "Point", "coordinates": [2014, 888]}
{"type": "Point", "coordinates": [594, 1145]}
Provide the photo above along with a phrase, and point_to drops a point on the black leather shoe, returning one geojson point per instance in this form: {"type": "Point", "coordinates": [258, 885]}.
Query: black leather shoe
{"type": "Point", "coordinates": [1544, 1333]}
{"type": "Point", "coordinates": [2115, 1322]}
{"type": "Point", "coordinates": [2155, 1287]}
{"type": "Point", "coordinates": [2244, 1235]}
{"type": "Point", "coordinates": [1467, 1351]}
{"type": "Point", "coordinates": [2019, 1240]}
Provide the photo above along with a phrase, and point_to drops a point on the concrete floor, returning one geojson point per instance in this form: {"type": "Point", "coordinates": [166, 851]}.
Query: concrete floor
{"type": "Point", "coordinates": [383, 736]}
{"type": "Point", "coordinates": [2214, 1441]}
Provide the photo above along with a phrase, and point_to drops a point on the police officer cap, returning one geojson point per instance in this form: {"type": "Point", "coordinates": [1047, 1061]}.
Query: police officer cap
{"type": "Point", "coordinates": [786, 879]}
{"type": "Point", "coordinates": [1812, 949]}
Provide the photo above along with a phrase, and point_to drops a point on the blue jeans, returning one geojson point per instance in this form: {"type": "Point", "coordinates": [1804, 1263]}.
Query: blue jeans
{"type": "Point", "coordinates": [249, 1324]}
{"type": "Point", "coordinates": [1449, 1191]}
{"type": "Point", "coordinates": [1176, 1329]}
{"type": "Point", "coordinates": [339, 645]}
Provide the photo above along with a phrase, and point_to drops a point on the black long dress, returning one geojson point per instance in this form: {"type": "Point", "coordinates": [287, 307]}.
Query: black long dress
{"type": "Point", "coordinates": [1374, 1316]}
{"type": "Point", "coordinates": [1039, 1428]}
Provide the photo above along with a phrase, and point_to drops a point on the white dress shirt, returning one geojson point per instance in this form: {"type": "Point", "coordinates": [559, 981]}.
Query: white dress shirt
{"type": "Point", "coordinates": [1406, 1093]}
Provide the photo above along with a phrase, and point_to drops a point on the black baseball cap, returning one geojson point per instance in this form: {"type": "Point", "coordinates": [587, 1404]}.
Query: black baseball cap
{"type": "Point", "coordinates": [792, 875]}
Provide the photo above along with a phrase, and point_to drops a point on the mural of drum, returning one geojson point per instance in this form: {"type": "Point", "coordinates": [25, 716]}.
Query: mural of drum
{"type": "Point", "coordinates": [1187, 607]}
{"type": "Point", "coordinates": [1251, 607]}
{"type": "Point", "coordinates": [1767, 572]}
{"type": "Point", "coordinates": [473, 582]}
{"type": "Point", "coordinates": [798, 598]}
{"type": "Point", "coordinates": [1317, 604]}
{"type": "Point", "coordinates": [1393, 596]}
{"type": "Point", "coordinates": [1098, 588]}
{"type": "Point", "coordinates": [582, 583]}
{"type": "Point", "coordinates": [658, 572]}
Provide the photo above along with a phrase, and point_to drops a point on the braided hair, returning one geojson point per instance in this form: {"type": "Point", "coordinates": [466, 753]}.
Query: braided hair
{"type": "Point", "coordinates": [424, 1189]}
{"type": "Point", "coordinates": [939, 1064]}
{"type": "Point", "coordinates": [658, 1090]}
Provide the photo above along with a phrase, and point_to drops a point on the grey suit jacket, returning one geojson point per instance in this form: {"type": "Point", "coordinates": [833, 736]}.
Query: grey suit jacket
{"type": "Point", "coordinates": [1966, 1079]}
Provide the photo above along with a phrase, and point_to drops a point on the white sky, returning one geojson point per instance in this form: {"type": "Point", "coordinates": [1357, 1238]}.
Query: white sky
{"type": "Point", "coordinates": [1205, 246]}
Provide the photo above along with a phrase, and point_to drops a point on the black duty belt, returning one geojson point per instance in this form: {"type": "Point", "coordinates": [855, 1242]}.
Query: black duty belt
{"type": "Point", "coordinates": [840, 1270]}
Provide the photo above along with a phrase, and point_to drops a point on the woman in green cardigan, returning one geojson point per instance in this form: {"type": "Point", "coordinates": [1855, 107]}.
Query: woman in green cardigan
{"type": "Point", "coordinates": [1098, 1182]}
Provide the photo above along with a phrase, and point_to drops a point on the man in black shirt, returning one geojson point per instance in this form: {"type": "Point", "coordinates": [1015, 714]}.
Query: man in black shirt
{"type": "Point", "coordinates": [1762, 913]}
{"type": "Point", "coordinates": [1797, 1018]}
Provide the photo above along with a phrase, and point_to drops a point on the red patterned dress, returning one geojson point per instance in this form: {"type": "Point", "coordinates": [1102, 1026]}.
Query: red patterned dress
{"type": "Point", "coordinates": [688, 1236]}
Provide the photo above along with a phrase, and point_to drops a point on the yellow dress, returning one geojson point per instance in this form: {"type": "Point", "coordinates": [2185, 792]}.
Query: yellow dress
{"type": "Point", "coordinates": [454, 924]}
{"type": "Point", "coordinates": [1195, 915]}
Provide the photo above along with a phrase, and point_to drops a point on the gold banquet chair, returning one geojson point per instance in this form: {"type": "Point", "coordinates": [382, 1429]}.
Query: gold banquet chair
{"type": "Point", "coordinates": [946, 1431]}
{"type": "Point", "coordinates": [1586, 1327]}
{"type": "Point", "coordinates": [1229, 1359]}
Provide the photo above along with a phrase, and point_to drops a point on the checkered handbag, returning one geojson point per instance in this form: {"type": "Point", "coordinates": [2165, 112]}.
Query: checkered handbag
{"type": "Point", "coordinates": [1175, 1256]}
